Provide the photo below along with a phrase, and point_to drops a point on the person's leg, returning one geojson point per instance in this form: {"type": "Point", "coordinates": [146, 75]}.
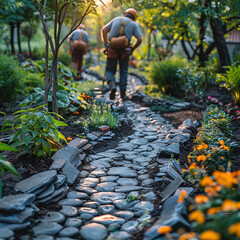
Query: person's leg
{"type": "Point", "coordinates": [123, 64]}
{"type": "Point", "coordinates": [79, 64]}
{"type": "Point", "coordinates": [111, 69]}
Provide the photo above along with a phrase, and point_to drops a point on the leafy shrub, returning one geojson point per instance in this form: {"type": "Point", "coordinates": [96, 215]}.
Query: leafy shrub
{"type": "Point", "coordinates": [101, 114]}
{"type": "Point", "coordinates": [232, 81]}
{"type": "Point", "coordinates": [11, 79]}
{"type": "Point", "coordinates": [164, 74]}
{"type": "Point", "coordinates": [32, 81]}
{"type": "Point", "coordinates": [35, 130]}
{"type": "Point", "coordinates": [64, 56]}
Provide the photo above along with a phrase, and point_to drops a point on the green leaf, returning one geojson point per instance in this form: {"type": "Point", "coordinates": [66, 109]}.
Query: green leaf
{"type": "Point", "coordinates": [61, 136]}
{"type": "Point", "coordinates": [49, 119]}
{"type": "Point", "coordinates": [1, 187]}
{"type": "Point", "coordinates": [7, 165]}
{"type": "Point", "coordinates": [5, 147]}
{"type": "Point", "coordinates": [59, 123]}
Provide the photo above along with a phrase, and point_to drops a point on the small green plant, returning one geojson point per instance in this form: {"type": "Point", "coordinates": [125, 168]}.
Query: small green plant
{"type": "Point", "coordinates": [101, 114]}
{"type": "Point", "coordinates": [35, 130]}
{"type": "Point", "coordinates": [11, 79]}
{"type": "Point", "coordinates": [164, 74]}
{"type": "Point", "coordinates": [232, 81]}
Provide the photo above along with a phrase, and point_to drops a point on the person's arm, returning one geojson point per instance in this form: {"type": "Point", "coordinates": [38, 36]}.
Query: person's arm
{"type": "Point", "coordinates": [137, 43]}
{"type": "Point", "coordinates": [105, 31]}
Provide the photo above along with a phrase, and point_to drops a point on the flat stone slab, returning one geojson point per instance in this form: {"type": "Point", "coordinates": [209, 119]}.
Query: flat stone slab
{"type": "Point", "coordinates": [123, 204]}
{"type": "Point", "coordinates": [6, 233]}
{"type": "Point", "coordinates": [143, 206]}
{"type": "Point", "coordinates": [93, 231]}
{"type": "Point", "coordinates": [47, 228]}
{"type": "Point", "coordinates": [19, 217]}
{"type": "Point", "coordinates": [73, 222]}
{"type": "Point", "coordinates": [86, 190]}
{"type": "Point", "coordinates": [70, 202]}
{"type": "Point", "coordinates": [126, 147]}
{"type": "Point", "coordinates": [109, 179]}
{"type": "Point", "coordinates": [91, 204]}
{"type": "Point", "coordinates": [71, 172]}
{"type": "Point", "coordinates": [48, 191]}
{"type": "Point", "coordinates": [54, 217]}
{"type": "Point", "coordinates": [69, 232]}
{"type": "Point", "coordinates": [120, 235]}
{"type": "Point", "coordinates": [173, 149]}
{"type": "Point", "coordinates": [127, 182]}
{"type": "Point", "coordinates": [107, 197]}
{"type": "Point", "coordinates": [114, 156]}
{"type": "Point", "coordinates": [67, 153]}
{"type": "Point", "coordinates": [106, 187]}
{"type": "Point", "coordinates": [58, 164]}
{"type": "Point", "coordinates": [78, 142]}
{"type": "Point", "coordinates": [15, 227]}
{"type": "Point", "coordinates": [122, 171]}
{"type": "Point", "coordinates": [124, 214]}
{"type": "Point", "coordinates": [88, 211]}
{"type": "Point", "coordinates": [69, 211]}
{"type": "Point", "coordinates": [15, 203]}
{"type": "Point", "coordinates": [98, 173]}
{"type": "Point", "coordinates": [139, 141]}
{"type": "Point", "coordinates": [61, 178]}
{"type": "Point", "coordinates": [125, 189]}
{"type": "Point", "coordinates": [78, 195]}
{"type": "Point", "coordinates": [36, 182]}
{"type": "Point", "coordinates": [101, 163]}
{"type": "Point", "coordinates": [90, 182]}
{"type": "Point", "coordinates": [108, 219]}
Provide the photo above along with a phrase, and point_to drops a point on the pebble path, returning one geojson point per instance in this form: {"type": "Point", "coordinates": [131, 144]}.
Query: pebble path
{"type": "Point", "coordinates": [98, 207]}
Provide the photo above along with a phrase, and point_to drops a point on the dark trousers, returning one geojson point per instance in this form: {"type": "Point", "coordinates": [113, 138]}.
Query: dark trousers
{"type": "Point", "coordinates": [77, 60]}
{"type": "Point", "coordinates": [111, 69]}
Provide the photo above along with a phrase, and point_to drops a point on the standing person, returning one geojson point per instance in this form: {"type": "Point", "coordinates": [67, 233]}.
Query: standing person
{"type": "Point", "coordinates": [79, 42]}
{"type": "Point", "coordinates": [118, 48]}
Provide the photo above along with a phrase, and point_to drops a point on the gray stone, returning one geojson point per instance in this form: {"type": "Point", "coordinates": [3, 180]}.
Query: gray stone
{"type": "Point", "coordinates": [43, 237]}
{"type": "Point", "coordinates": [143, 206]}
{"type": "Point", "coordinates": [78, 195]}
{"type": "Point", "coordinates": [107, 197]}
{"type": "Point", "coordinates": [47, 228]}
{"type": "Point", "coordinates": [144, 218]}
{"type": "Point", "coordinates": [54, 217]}
{"type": "Point", "coordinates": [143, 177]}
{"type": "Point", "coordinates": [69, 211]}
{"type": "Point", "coordinates": [151, 138]}
{"type": "Point", "coordinates": [91, 137]}
{"type": "Point", "coordinates": [130, 227]}
{"type": "Point", "coordinates": [88, 211]}
{"type": "Point", "coordinates": [120, 235]}
{"type": "Point", "coordinates": [126, 147]}
{"type": "Point", "coordinates": [106, 209]}
{"type": "Point", "coordinates": [93, 231]}
{"type": "Point", "coordinates": [123, 204]}
{"type": "Point", "coordinates": [101, 163]}
{"type": "Point", "coordinates": [150, 196]}
{"type": "Point", "coordinates": [127, 181]}
{"type": "Point", "coordinates": [90, 182]}
{"type": "Point", "coordinates": [73, 222]}
{"type": "Point", "coordinates": [15, 203]}
{"type": "Point", "coordinates": [91, 204]}
{"type": "Point", "coordinates": [69, 154]}
{"type": "Point", "coordinates": [188, 123]}
{"type": "Point", "coordinates": [139, 141]}
{"type": "Point", "coordinates": [114, 156]}
{"type": "Point", "coordinates": [36, 182]}
{"type": "Point", "coordinates": [15, 227]}
{"type": "Point", "coordinates": [109, 179]}
{"type": "Point", "coordinates": [87, 147]}
{"type": "Point", "coordinates": [106, 187]}
{"type": "Point", "coordinates": [147, 182]}
{"type": "Point", "coordinates": [58, 164]}
{"type": "Point", "coordinates": [6, 233]}
{"type": "Point", "coordinates": [122, 171]}
{"type": "Point", "coordinates": [86, 216]}
{"type": "Point", "coordinates": [78, 142]}
{"type": "Point", "coordinates": [125, 189]}
{"type": "Point", "coordinates": [71, 172]}
{"type": "Point", "coordinates": [61, 178]}
{"type": "Point", "coordinates": [130, 156]}
{"type": "Point", "coordinates": [48, 191]}
{"type": "Point", "coordinates": [124, 214]}
{"type": "Point", "coordinates": [173, 149]}
{"type": "Point", "coordinates": [83, 174]}
{"type": "Point", "coordinates": [108, 219]}
{"type": "Point", "coordinates": [98, 173]}
{"type": "Point", "coordinates": [71, 202]}
{"type": "Point", "coordinates": [19, 217]}
{"type": "Point", "coordinates": [86, 190]}
{"type": "Point", "coordinates": [69, 232]}
{"type": "Point", "coordinates": [89, 168]}
{"type": "Point", "coordinates": [114, 227]}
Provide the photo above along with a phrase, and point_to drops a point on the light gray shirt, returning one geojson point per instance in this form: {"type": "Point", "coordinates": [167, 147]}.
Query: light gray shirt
{"type": "Point", "coordinates": [131, 29]}
{"type": "Point", "coordinates": [77, 33]}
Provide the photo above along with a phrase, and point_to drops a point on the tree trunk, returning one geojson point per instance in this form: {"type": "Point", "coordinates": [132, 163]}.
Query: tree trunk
{"type": "Point", "coordinates": [149, 46]}
{"type": "Point", "coordinates": [18, 37]}
{"type": "Point", "coordinates": [29, 47]}
{"type": "Point", "coordinates": [12, 38]}
{"type": "Point", "coordinates": [55, 81]}
{"type": "Point", "coordinates": [218, 30]}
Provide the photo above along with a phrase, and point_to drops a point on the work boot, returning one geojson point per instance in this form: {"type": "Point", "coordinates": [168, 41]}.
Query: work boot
{"type": "Point", "coordinates": [123, 94]}
{"type": "Point", "coordinates": [113, 89]}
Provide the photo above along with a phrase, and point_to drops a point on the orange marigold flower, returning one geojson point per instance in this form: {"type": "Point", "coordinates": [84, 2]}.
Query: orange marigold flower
{"type": "Point", "coordinates": [69, 139]}
{"type": "Point", "coordinates": [193, 166]}
{"type": "Point", "coordinates": [201, 158]}
{"type": "Point", "coordinates": [225, 178]}
{"type": "Point", "coordinates": [202, 146]}
{"type": "Point", "coordinates": [183, 170]}
{"type": "Point", "coordinates": [76, 113]}
{"type": "Point", "coordinates": [213, 210]}
{"type": "Point", "coordinates": [234, 229]}
{"type": "Point", "coordinates": [223, 146]}
{"type": "Point", "coordinates": [197, 216]}
{"type": "Point", "coordinates": [182, 195]}
{"type": "Point", "coordinates": [206, 181]}
{"type": "Point", "coordinates": [210, 235]}
{"type": "Point", "coordinates": [164, 229]}
{"type": "Point", "coordinates": [187, 236]}
{"type": "Point", "coordinates": [201, 199]}
{"type": "Point", "coordinates": [229, 205]}
{"type": "Point", "coordinates": [211, 191]}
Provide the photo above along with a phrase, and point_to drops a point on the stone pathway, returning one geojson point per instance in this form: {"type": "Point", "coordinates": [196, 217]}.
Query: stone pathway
{"type": "Point", "coordinates": [114, 195]}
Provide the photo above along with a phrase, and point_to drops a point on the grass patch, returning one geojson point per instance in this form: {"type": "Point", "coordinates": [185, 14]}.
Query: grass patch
{"type": "Point", "coordinates": [87, 86]}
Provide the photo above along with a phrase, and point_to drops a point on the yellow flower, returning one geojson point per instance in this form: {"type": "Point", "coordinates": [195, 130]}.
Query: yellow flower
{"type": "Point", "coordinates": [210, 235]}
{"type": "Point", "coordinates": [187, 236]}
{"type": "Point", "coordinates": [197, 216]}
{"type": "Point", "coordinates": [182, 195]}
{"type": "Point", "coordinates": [201, 158]}
{"type": "Point", "coordinates": [201, 199]}
{"type": "Point", "coordinates": [164, 229]}
{"type": "Point", "coordinates": [235, 229]}
{"type": "Point", "coordinates": [206, 181]}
